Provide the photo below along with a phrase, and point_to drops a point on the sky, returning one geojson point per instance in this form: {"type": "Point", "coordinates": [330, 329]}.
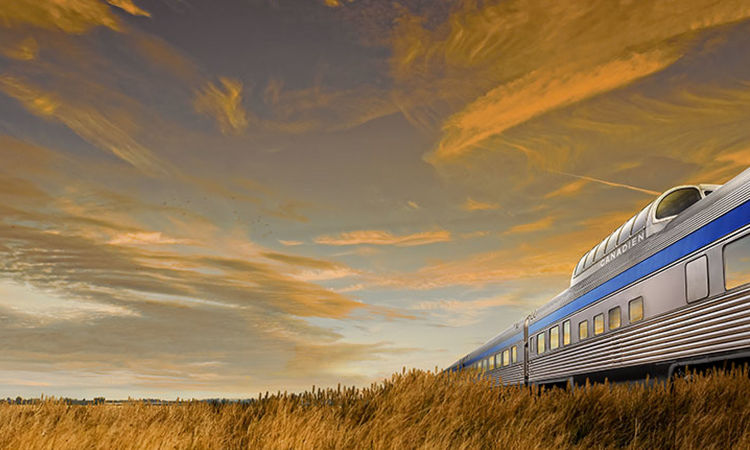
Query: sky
{"type": "Point", "coordinates": [220, 198]}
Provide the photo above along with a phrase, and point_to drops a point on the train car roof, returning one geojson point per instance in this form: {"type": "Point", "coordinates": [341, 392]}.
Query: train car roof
{"type": "Point", "coordinates": [630, 231]}
{"type": "Point", "coordinates": [588, 283]}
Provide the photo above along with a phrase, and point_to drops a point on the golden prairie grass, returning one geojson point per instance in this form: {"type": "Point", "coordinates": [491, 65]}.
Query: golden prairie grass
{"type": "Point", "coordinates": [414, 409]}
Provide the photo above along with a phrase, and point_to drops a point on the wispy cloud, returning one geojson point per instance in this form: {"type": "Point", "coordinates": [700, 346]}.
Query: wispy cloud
{"type": "Point", "coordinates": [71, 16]}
{"type": "Point", "coordinates": [519, 73]}
{"type": "Point", "coordinates": [380, 237]}
{"type": "Point", "coordinates": [461, 313]}
{"type": "Point", "coordinates": [290, 243]}
{"type": "Point", "coordinates": [146, 238]}
{"type": "Point", "coordinates": [538, 225]}
{"type": "Point", "coordinates": [223, 103]}
{"type": "Point", "coordinates": [24, 49]}
{"type": "Point", "coordinates": [79, 269]}
{"type": "Point", "coordinates": [473, 205]}
{"type": "Point", "coordinates": [605, 182]}
{"type": "Point", "coordinates": [567, 189]}
{"type": "Point", "coordinates": [98, 124]}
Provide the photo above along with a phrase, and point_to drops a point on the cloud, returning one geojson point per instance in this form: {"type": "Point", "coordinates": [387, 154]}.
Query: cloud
{"type": "Point", "coordinates": [146, 238]}
{"type": "Point", "coordinates": [335, 3]}
{"type": "Point", "coordinates": [509, 105]}
{"type": "Point", "coordinates": [23, 50]}
{"type": "Point", "coordinates": [99, 124]}
{"type": "Point", "coordinates": [610, 183]}
{"type": "Point", "coordinates": [545, 223]}
{"type": "Point", "coordinates": [519, 68]}
{"type": "Point", "coordinates": [461, 313]}
{"type": "Point", "coordinates": [321, 108]}
{"type": "Point", "coordinates": [474, 205]}
{"type": "Point", "coordinates": [88, 290]}
{"type": "Point", "coordinates": [547, 259]}
{"type": "Point", "coordinates": [129, 7]}
{"type": "Point", "coordinates": [290, 243]}
{"type": "Point", "coordinates": [474, 234]}
{"type": "Point", "coordinates": [301, 261]}
{"type": "Point", "coordinates": [70, 16]}
{"type": "Point", "coordinates": [224, 104]}
{"type": "Point", "coordinates": [379, 237]}
{"type": "Point", "coordinates": [567, 190]}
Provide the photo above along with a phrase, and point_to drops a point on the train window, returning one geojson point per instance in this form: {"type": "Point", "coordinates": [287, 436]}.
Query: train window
{"type": "Point", "coordinates": [492, 362]}
{"type": "Point", "coordinates": [696, 277]}
{"type": "Point", "coordinates": [566, 333]}
{"type": "Point", "coordinates": [612, 243]}
{"type": "Point", "coordinates": [513, 354]}
{"type": "Point", "coordinates": [531, 344]}
{"type": "Point", "coordinates": [589, 258]}
{"type": "Point", "coordinates": [579, 267]}
{"type": "Point", "coordinates": [598, 324]}
{"type": "Point", "coordinates": [625, 232]}
{"type": "Point", "coordinates": [640, 220]}
{"type": "Point", "coordinates": [737, 263]}
{"type": "Point", "coordinates": [506, 357]}
{"type": "Point", "coordinates": [600, 250]}
{"type": "Point", "coordinates": [676, 202]}
{"type": "Point", "coordinates": [554, 337]}
{"type": "Point", "coordinates": [583, 330]}
{"type": "Point", "coordinates": [614, 318]}
{"type": "Point", "coordinates": [635, 310]}
{"type": "Point", "coordinates": [540, 343]}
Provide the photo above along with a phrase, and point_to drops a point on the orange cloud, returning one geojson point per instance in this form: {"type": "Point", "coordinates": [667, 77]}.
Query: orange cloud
{"type": "Point", "coordinates": [378, 237]}
{"type": "Point", "coordinates": [474, 205]}
{"type": "Point", "coordinates": [129, 7]}
{"type": "Point", "coordinates": [70, 16]}
{"type": "Point", "coordinates": [539, 225]}
{"type": "Point", "coordinates": [24, 50]}
{"type": "Point", "coordinates": [146, 238]}
{"type": "Point", "coordinates": [609, 183]}
{"type": "Point", "coordinates": [95, 125]}
{"type": "Point", "coordinates": [323, 108]}
{"type": "Point", "coordinates": [495, 65]}
{"type": "Point", "coordinates": [336, 3]}
{"type": "Point", "coordinates": [511, 104]}
{"type": "Point", "coordinates": [568, 189]}
{"type": "Point", "coordinates": [223, 104]}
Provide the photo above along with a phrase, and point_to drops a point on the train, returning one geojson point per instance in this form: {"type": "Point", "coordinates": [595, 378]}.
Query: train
{"type": "Point", "coordinates": [667, 290]}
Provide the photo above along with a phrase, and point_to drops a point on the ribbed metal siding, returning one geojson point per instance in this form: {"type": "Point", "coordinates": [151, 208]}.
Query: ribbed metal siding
{"type": "Point", "coordinates": [717, 325]}
{"type": "Point", "coordinates": [512, 374]}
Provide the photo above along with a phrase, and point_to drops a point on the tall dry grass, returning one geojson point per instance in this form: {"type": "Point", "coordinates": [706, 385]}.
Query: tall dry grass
{"type": "Point", "coordinates": [411, 410]}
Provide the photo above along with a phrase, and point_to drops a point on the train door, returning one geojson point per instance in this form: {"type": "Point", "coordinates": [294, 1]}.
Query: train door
{"type": "Point", "coordinates": [526, 351]}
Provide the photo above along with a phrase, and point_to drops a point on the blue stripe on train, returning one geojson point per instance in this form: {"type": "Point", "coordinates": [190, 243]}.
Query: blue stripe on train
{"type": "Point", "coordinates": [721, 226]}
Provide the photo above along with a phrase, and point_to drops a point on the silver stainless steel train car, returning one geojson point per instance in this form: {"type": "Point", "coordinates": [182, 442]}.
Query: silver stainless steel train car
{"type": "Point", "coordinates": [667, 289]}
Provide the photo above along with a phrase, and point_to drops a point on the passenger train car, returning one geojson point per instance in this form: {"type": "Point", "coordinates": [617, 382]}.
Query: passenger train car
{"type": "Point", "coordinates": [667, 289]}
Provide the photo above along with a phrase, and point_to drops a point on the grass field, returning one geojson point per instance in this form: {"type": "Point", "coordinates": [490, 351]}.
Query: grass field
{"type": "Point", "coordinates": [413, 409]}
